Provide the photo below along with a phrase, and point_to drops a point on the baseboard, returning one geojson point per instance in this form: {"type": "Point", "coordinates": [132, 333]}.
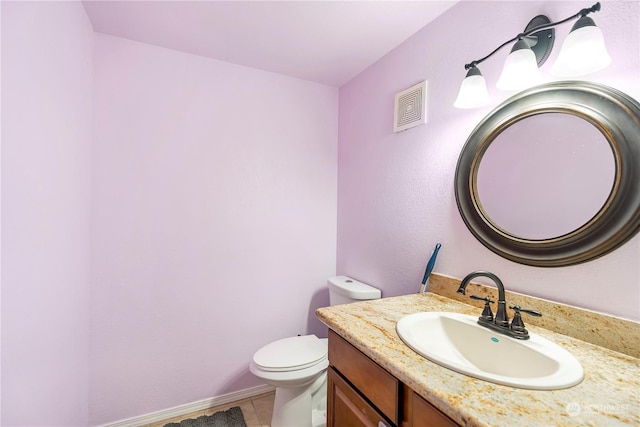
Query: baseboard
{"type": "Point", "coordinates": [187, 408]}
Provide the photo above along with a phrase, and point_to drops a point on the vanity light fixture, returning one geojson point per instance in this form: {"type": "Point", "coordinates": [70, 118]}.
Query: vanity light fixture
{"type": "Point", "coordinates": [582, 52]}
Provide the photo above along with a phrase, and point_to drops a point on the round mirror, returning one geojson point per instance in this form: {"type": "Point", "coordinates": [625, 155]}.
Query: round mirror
{"type": "Point", "coordinates": [545, 176]}
{"type": "Point", "coordinates": [551, 177]}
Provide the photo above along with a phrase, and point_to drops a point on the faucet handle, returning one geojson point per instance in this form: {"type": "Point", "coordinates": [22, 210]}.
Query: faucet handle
{"type": "Point", "coordinates": [486, 299]}
{"type": "Point", "coordinates": [518, 309]}
{"type": "Point", "coordinates": [517, 325]}
{"type": "Point", "coordinates": [487, 314]}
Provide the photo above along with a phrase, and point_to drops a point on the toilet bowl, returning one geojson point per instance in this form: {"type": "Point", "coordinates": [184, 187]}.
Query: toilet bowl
{"type": "Point", "coordinates": [297, 366]}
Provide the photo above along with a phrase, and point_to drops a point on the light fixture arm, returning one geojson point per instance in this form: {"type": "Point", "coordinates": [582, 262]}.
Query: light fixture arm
{"type": "Point", "coordinates": [582, 13]}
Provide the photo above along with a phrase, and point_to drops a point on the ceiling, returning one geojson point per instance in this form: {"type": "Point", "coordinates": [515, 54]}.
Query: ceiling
{"type": "Point", "coordinates": [328, 42]}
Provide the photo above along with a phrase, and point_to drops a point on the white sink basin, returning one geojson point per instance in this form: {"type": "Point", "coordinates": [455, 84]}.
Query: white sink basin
{"type": "Point", "coordinates": [457, 342]}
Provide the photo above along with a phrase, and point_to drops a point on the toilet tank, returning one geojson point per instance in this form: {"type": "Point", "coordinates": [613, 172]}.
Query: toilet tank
{"type": "Point", "coordinates": [344, 290]}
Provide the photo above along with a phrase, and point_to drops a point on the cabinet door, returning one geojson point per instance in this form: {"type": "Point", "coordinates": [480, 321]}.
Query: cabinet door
{"type": "Point", "coordinates": [345, 406]}
{"type": "Point", "coordinates": [420, 413]}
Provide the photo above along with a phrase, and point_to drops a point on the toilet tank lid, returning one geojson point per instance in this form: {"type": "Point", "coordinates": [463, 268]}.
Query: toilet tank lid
{"type": "Point", "coordinates": [352, 288]}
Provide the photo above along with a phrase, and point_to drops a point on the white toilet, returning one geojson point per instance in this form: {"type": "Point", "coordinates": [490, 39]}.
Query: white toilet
{"type": "Point", "coordinates": [297, 366]}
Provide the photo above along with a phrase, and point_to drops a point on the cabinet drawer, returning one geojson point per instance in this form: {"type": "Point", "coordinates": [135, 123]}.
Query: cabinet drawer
{"type": "Point", "coordinates": [346, 407]}
{"type": "Point", "coordinates": [379, 387]}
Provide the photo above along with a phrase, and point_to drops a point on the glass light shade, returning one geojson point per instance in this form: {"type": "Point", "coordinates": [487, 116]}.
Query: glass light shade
{"type": "Point", "coordinates": [473, 91]}
{"type": "Point", "coordinates": [520, 70]}
{"type": "Point", "coordinates": [582, 52]}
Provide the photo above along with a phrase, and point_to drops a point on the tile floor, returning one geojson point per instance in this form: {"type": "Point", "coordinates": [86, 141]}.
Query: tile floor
{"type": "Point", "coordinates": [256, 411]}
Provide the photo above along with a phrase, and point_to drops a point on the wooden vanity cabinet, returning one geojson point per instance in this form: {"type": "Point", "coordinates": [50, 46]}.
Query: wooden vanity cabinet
{"type": "Point", "coordinates": [360, 393]}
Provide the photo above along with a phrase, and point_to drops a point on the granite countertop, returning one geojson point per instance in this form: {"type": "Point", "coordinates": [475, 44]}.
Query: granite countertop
{"type": "Point", "coordinates": [609, 395]}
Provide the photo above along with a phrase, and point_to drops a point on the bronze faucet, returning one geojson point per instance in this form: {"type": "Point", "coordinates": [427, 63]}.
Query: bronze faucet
{"type": "Point", "coordinates": [501, 321]}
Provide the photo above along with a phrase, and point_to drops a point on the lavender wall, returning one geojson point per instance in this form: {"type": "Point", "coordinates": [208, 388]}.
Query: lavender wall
{"type": "Point", "coordinates": [214, 222]}
{"type": "Point", "coordinates": [46, 156]}
{"type": "Point", "coordinates": [212, 192]}
{"type": "Point", "coordinates": [395, 191]}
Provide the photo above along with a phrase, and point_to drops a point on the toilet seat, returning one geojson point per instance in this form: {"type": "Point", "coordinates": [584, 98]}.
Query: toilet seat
{"type": "Point", "coordinates": [291, 354]}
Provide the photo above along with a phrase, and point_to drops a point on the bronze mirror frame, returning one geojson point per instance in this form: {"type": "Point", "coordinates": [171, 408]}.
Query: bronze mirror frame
{"type": "Point", "coordinates": [617, 116]}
